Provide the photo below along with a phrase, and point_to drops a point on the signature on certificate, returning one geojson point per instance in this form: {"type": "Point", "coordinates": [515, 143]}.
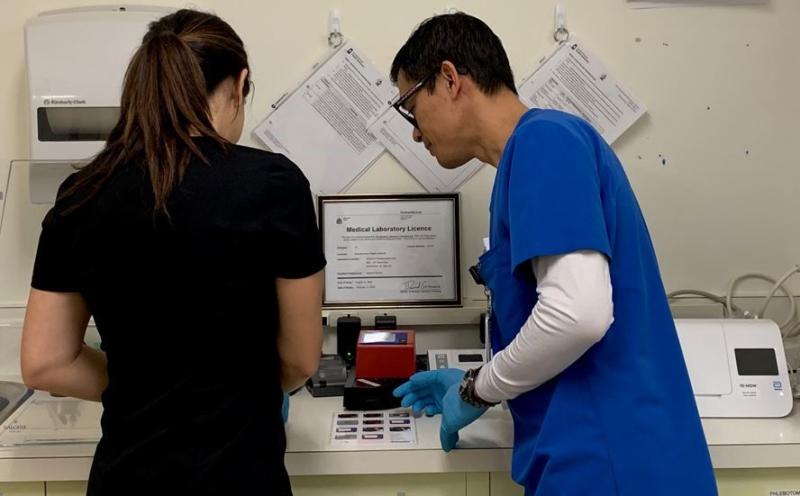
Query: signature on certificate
{"type": "Point", "coordinates": [418, 284]}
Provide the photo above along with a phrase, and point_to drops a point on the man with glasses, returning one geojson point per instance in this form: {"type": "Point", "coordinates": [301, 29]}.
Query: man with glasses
{"type": "Point", "coordinates": [585, 349]}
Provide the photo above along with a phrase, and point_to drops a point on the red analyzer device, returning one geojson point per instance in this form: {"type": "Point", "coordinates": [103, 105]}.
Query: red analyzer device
{"type": "Point", "coordinates": [384, 360]}
{"type": "Point", "coordinates": [386, 354]}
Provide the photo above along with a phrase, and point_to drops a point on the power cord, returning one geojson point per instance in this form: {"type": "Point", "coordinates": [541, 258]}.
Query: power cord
{"type": "Point", "coordinates": [727, 311]}
{"type": "Point", "coordinates": [787, 326]}
{"type": "Point", "coordinates": [790, 327]}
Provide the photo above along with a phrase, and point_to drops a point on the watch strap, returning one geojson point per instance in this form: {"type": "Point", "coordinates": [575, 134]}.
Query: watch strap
{"type": "Point", "coordinates": [467, 390]}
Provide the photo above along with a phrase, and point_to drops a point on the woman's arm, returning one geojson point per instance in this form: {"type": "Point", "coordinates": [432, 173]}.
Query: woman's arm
{"type": "Point", "coordinates": [53, 355]}
{"type": "Point", "coordinates": [300, 332]}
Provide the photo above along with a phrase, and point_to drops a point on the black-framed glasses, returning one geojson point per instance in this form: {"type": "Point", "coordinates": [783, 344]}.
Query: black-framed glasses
{"type": "Point", "coordinates": [402, 99]}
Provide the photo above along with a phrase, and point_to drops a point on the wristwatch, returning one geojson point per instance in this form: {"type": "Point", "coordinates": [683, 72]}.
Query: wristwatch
{"type": "Point", "coordinates": [466, 390]}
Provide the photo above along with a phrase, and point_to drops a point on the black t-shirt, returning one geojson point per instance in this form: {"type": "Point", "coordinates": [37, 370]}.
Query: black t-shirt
{"type": "Point", "coordinates": [187, 311]}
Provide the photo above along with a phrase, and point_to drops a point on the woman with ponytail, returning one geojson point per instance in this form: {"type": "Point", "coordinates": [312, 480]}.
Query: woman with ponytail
{"type": "Point", "coordinates": [201, 264]}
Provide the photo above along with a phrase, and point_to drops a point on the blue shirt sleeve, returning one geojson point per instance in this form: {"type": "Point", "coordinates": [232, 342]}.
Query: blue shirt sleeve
{"type": "Point", "coordinates": [295, 237]}
{"type": "Point", "coordinates": [554, 194]}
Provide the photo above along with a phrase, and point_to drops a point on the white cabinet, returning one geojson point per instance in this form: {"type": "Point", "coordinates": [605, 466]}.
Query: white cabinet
{"type": "Point", "coordinates": [452, 484]}
{"type": "Point", "coordinates": [758, 481]}
{"type": "Point", "coordinates": [72, 488]}
{"type": "Point", "coordinates": [731, 482]}
{"type": "Point", "coordinates": [502, 485]}
{"type": "Point", "coordinates": [21, 488]}
{"type": "Point", "coordinates": [455, 484]}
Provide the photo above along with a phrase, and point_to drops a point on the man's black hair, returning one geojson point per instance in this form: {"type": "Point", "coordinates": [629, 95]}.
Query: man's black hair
{"type": "Point", "coordinates": [464, 40]}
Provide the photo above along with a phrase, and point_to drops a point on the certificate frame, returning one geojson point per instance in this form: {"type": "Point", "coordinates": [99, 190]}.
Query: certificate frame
{"type": "Point", "coordinates": [446, 202]}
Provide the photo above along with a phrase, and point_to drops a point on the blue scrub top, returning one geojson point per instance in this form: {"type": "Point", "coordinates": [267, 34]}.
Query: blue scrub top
{"type": "Point", "coordinates": [622, 419]}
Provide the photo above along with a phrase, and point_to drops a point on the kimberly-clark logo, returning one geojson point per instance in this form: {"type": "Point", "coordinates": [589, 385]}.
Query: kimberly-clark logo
{"type": "Point", "coordinates": [64, 101]}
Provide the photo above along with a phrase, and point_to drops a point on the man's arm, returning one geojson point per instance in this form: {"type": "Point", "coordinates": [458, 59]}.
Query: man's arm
{"type": "Point", "coordinates": [574, 311]}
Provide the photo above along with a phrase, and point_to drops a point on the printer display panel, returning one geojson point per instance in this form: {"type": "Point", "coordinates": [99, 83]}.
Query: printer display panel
{"type": "Point", "coordinates": [756, 361]}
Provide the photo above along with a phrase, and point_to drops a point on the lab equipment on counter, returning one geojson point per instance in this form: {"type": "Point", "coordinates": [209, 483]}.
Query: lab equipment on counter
{"type": "Point", "coordinates": [386, 354]}
{"type": "Point", "coordinates": [330, 378]}
{"type": "Point", "coordinates": [737, 367]}
{"type": "Point", "coordinates": [347, 330]}
{"type": "Point", "coordinates": [384, 360]}
{"type": "Point", "coordinates": [385, 322]}
{"type": "Point", "coordinates": [456, 359]}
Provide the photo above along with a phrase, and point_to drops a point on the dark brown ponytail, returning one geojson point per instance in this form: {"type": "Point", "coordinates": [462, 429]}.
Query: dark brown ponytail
{"type": "Point", "coordinates": [183, 58]}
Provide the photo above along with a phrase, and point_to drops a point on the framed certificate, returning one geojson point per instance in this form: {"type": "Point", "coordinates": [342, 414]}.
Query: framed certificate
{"type": "Point", "coordinates": [391, 250]}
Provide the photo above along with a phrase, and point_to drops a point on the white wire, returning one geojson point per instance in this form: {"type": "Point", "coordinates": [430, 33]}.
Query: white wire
{"type": "Point", "coordinates": [790, 327]}
{"type": "Point", "coordinates": [5, 195]}
{"type": "Point", "coordinates": [794, 331]}
{"type": "Point", "coordinates": [794, 270]}
{"type": "Point", "coordinates": [709, 296]}
{"type": "Point", "coordinates": [736, 281]}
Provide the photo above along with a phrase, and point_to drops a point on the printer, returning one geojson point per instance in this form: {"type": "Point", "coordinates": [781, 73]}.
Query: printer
{"type": "Point", "coordinates": [737, 367]}
{"type": "Point", "coordinates": [76, 60]}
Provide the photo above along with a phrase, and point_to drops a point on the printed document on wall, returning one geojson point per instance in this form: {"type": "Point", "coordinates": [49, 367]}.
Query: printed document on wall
{"type": "Point", "coordinates": [656, 4]}
{"type": "Point", "coordinates": [322, 125]}
{"type": "Point", "coordinates": [394, 132]}
{"type": "Point", "coordinates": [574, 80]}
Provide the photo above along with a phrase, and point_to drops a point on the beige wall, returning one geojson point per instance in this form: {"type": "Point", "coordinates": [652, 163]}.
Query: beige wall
{"type": "Point", "coordinates": [714, 210]}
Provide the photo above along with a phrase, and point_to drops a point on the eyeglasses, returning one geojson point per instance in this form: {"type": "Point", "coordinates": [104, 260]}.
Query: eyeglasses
{"type": "Point", "coordinates": [402, 99]}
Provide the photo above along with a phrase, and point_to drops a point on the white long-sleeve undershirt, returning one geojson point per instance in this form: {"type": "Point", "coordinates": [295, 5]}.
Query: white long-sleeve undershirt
{"type": "Point", "coordinates": [574, 311]}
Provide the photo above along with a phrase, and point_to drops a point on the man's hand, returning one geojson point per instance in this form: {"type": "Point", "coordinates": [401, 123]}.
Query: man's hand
{"type": "Point", "coordinates": [424, 391]}
{"type": "Point", "coordinates": [436, 391]}
{"type": "Point", "coordinates": [456, 414]}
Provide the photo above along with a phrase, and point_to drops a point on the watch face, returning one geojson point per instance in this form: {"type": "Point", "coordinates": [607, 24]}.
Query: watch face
{"type": "Point", "coordinates": [467, 390]}
{"type": "Point", "coordinates": [466, 386]}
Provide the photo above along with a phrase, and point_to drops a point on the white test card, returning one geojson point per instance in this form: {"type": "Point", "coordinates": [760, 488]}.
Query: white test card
{"type": "Point", "coordinates": [373, 428]}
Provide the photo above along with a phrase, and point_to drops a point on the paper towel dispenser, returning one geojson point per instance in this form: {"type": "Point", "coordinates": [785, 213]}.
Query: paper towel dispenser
{"type": "Point", "coordinates": [76, 60]}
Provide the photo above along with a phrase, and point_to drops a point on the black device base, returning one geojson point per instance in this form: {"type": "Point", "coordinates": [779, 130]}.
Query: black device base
{"type": "Point", "coordinates": [325, 391]}
{"type": "Point", "coordinates": [330, 378]}
{"type": "Point", "coordinates": [360, 395]}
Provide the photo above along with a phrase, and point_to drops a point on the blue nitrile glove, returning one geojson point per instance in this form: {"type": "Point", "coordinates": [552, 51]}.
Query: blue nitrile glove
{"type": "Point", "coordinates": [285, 407]}
{"type": "Point", "coordinates": [456, 414]}
{"type": "Point", "coordinates": [425, 391]}
{"type": "Point", "coordinates": [436, 391]}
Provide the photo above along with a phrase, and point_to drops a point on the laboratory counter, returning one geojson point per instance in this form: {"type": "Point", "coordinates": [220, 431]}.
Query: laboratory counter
{"type": "Point", "coordinates": [485, 446]}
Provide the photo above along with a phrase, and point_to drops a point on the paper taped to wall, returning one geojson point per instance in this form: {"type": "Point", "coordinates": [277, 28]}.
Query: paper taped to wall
{"type": "Point", "coordinates": [322, 124]}
{"type": "Point", "coordinates": [574, 80]}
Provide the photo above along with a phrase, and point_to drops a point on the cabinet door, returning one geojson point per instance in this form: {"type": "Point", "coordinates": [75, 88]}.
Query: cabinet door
{"type": "Point", "coordinates": [380, 485]}
{"type": "Point", "coordinates": [758, 481]}
{"type": "Point", "coordinates": [478, 484]}
{"type": "Point", "coordinates": [502, 485]}
{"type": "Point", "coordinates": [65, 488]}
{"type": "Point", "coordinates": [21, 488]}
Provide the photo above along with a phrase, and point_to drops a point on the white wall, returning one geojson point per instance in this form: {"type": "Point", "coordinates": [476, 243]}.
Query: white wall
{"type": "Point", "coordinates": [720, 84]}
